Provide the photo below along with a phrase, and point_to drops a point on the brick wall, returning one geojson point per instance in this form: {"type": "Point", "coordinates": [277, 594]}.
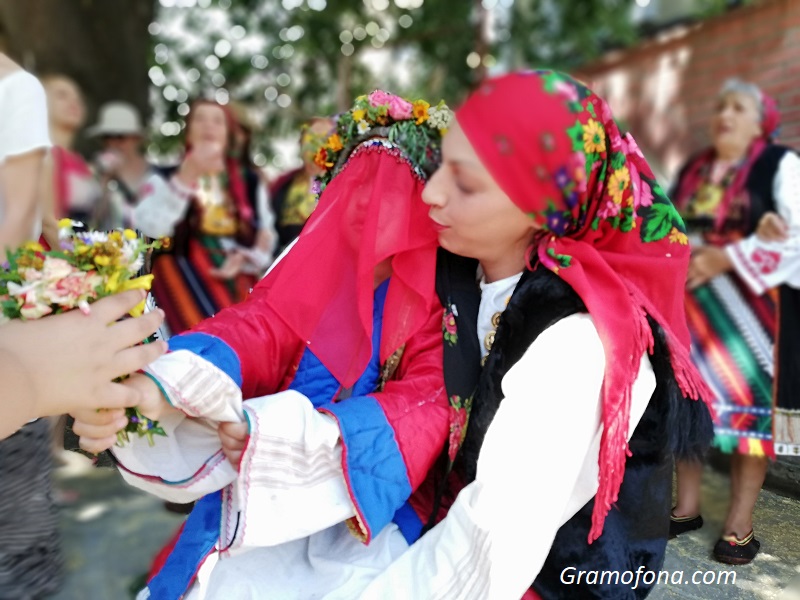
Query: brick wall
{"type": "Point", "coordinates": [664, 88]}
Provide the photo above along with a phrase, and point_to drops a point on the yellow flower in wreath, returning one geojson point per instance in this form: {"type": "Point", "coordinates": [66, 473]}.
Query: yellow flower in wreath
{"type": "Point", "coordinates": [617, 184]}
{"type": "Point", "coordinates": [321, 159]}
{"type": "Point", "coordinates": [594, 138]}
{"type": "Point", "coordinates": [420, 111]}
{"type": "Point", "coordinates": [335, 143]}
{"type": "Point", "coordinates": [359, 114]}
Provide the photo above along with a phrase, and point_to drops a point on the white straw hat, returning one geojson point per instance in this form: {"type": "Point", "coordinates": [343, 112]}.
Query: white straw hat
{"type": "Point", "coordinates": [117, 118]}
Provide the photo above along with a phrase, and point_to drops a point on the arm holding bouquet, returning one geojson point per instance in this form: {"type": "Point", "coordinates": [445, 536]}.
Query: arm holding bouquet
{"type": "Point", "coordinates": [67, 362]}
{"type": "Point", "coordinates": [70, 360]}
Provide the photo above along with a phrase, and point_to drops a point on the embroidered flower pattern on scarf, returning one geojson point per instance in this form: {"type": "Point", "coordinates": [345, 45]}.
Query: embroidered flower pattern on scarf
{"type": "Point", "coordinates": [604, 156]}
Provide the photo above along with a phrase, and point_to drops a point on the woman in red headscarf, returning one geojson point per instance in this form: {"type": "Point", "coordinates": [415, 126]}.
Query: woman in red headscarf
{"type": "Point", "coordinates": [569, 290]}
{"type": "Point", "coordinates": [743, 304]}
{"type": "Point", "coordinates": [331, 376]}
{"type": "Point", "coordinates": [212, 221]}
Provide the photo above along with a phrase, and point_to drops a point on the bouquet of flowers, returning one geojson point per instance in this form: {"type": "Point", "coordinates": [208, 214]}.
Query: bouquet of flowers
{"type": "Point", "coordinates": [35, 282]}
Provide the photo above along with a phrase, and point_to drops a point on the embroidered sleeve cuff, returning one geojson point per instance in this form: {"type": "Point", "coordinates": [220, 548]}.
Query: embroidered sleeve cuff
{"type": "Point", "coordinates": [197, 387]}
{"type": "Point", "coordinates": [742, 255]}
{"type": "Point", "coordinates": [290, 478]}
{"type": "Point", "coordinates": [181, 467]}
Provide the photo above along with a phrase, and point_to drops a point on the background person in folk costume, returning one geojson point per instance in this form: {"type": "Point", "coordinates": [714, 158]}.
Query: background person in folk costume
{"type": "Point", "coordinates": [73, 190]}
{"type": "Point", "coordinates": [324, 389]}
{"type": "Point", "coordinates": [204, 207]}
{"type": "Point", "coordinates": [292, 194]}
{"type": "Point", "coordinates": [262, 252]}
{"type": "Point", "coordinates": [121, 165]}
{"type": "Point", "coordinates": [570, 284]}
{"type": "Point", "coordinates": [743, 301]}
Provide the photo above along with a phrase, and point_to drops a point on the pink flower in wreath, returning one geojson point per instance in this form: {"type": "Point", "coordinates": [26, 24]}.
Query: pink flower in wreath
{"type": "Point", "coordinates": [399, 109]}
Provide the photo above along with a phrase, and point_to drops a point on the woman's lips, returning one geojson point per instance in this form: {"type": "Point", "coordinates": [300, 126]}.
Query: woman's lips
{"type": "Point", "coordinates": [438, 226]}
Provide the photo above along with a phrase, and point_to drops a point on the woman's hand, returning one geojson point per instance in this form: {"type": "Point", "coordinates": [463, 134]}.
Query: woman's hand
{"type": "Point", "coordinates": [231, 267]}
{"type": "Point", "coordinates": [98, 428]}
{"type": "Point", "coordinates": [204, 159]}
{"type": "Point", "coordinates": [772, 228]}
{"type": "Point", "coordinates": [234, 440]}
{"type": "Point", "coordinates": [706, 263]}
{"type": "Point", "coordinates": [71, 359]}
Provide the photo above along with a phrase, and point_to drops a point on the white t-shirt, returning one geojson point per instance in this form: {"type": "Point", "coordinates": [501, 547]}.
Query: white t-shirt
{"type": "Point", "coordinates": [23, 117]}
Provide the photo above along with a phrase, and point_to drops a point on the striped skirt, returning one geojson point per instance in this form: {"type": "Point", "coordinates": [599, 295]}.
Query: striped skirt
{"type": "Point", "coordinates": [185, 290]}
{"type": "Point", "coordinates": [733, 341]}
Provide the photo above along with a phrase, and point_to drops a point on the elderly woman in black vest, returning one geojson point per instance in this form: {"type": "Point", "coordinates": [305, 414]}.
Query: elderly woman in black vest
{"type": "Point", "coordinates": [742, 304]}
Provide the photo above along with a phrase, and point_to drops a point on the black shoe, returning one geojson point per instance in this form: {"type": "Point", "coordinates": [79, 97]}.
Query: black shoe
{"type": "Point", "coordinates": [733, 551]}
{"type": "Point", "coordinates": [681, 525]}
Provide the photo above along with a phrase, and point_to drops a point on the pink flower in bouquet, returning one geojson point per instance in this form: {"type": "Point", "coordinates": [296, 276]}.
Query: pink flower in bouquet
{"type": "Point", "coordinates": [74, 290]}
{"type": "Point", "coordinates": [33, 305]}
{"type": "Point", "coordinates": [399, 109]}
{"type": "Point", "coordinates": [30, 274]}
{"type": "Point", "coordinates": [56, 268]}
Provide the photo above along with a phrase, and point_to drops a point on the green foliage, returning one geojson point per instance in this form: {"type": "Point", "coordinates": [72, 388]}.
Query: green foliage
{"type": "Point", "coordinates": [292, 59]}
{"type": "Point", "coordinates": [300, 54]}
{"type": "Point", "coordinates": [565, 34]}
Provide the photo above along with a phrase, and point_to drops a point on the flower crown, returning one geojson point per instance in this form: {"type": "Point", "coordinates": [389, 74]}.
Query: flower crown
{"type": "Point", "coordinates": [416, 127]}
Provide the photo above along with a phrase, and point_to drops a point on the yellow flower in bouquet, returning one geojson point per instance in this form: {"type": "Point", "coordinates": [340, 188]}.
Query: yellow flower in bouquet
{"type": "Point", "coordinates": [87, 266]}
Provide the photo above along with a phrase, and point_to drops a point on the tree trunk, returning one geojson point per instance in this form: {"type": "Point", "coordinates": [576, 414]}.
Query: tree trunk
{"type": "Point", "coordinates": [104, 45]}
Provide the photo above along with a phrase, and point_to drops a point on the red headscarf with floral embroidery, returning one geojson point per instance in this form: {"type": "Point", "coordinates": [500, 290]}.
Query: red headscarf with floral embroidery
{"type": "Point", "coordinates": [608, 230]}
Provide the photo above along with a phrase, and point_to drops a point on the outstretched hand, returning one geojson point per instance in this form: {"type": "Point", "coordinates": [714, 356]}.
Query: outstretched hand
{"type": "Point", "coordinates": [71, 359]}
{"type": "Point", "coordinates": [234, 440]}
{"type": "Point", "coordinates": [98, 429]}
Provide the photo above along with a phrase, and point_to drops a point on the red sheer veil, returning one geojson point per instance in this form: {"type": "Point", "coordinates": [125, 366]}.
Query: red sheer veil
{"type": "Point", "coordinates": [323, 289]}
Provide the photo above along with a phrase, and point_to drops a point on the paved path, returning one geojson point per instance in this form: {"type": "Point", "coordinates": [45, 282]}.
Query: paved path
{"type": "Point", "coordinates": [112, 531]}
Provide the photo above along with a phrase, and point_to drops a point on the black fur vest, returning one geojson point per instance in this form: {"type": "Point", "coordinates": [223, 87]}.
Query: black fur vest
{"type": "Point", "coordinates": [636, 528]}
